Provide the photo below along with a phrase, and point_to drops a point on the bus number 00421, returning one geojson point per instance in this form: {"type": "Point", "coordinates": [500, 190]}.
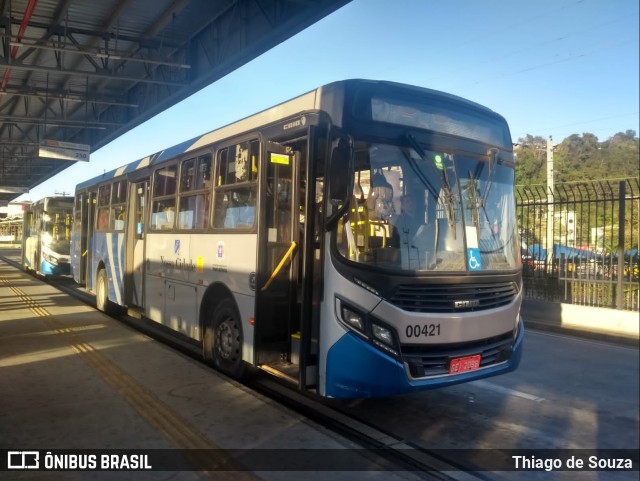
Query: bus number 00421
{"type": "Point", "coordinates": [425, 330]}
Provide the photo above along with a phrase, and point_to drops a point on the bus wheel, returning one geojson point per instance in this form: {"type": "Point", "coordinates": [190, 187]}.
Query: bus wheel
{"type": "Point", "coordinates": [223, 340]}
{"type": "Point", "coordinates": [102, 291]}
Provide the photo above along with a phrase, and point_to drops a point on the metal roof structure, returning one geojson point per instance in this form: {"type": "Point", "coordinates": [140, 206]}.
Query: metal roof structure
{"type": "Point", "coordinates": [86, 71]}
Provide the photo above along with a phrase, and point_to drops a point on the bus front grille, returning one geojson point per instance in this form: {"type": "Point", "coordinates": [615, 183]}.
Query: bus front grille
{"type": "Point", "coordinates": [453, 298]}
{"type": "Point", "coordinates": [433, 360]}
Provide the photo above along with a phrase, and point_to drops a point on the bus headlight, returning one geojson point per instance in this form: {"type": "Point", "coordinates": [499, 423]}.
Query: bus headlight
{"type": "Point", "coordinates": [352, 318]}
{"type": "Point", "coordinates": [369, 327]}
{"type": "Point", "coordinates": [383, 334]}
{"type": "Point", "coordinates": [50, 259]}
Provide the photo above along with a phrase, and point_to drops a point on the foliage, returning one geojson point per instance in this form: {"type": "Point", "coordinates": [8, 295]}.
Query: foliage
{"type": "Point", "coordinates": [578, 158]}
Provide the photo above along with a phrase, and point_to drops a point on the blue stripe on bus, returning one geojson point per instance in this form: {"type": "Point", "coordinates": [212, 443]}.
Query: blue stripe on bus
{"type": "Point", "coordinates": [356, 369]}
{"type": "Point", "coordinates": [109, 248]}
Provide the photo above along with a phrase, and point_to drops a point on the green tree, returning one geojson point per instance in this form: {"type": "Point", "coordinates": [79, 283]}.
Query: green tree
{"type": "Point", "coordinates": [579, 158]}
{"type": "Point", "coordinates": [530, 160]}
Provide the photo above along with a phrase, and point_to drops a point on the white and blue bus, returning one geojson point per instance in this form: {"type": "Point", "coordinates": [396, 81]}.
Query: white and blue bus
{"type": "Point", "coordinates": [359, 240]}
{"type": "Point", "coordinates": [46, 236]}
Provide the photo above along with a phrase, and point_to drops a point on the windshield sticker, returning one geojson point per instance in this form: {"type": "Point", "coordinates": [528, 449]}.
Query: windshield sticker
{"type": "Point", "coordinates": [472, 237]}
{"type": "Point", "coordinates": [473, 259]}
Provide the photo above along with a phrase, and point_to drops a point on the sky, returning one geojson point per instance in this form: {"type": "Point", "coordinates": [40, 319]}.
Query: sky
{"type": "Point", "coordinates": [550, 67]}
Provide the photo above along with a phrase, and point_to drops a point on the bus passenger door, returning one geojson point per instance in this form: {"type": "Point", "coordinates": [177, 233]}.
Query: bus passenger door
{"type": "Point", "coordinates": [134, 257]}
{"type": "Point", "coordinates": [88, 219]}
{"type": "Point", "coordinates": [278, 241]}
{"type": "Point", "coordinates": [81, 242]}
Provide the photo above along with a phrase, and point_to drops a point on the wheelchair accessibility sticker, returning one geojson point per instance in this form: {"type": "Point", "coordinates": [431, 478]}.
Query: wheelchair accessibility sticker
{"type": "Point", "coordinates": [473, 259]}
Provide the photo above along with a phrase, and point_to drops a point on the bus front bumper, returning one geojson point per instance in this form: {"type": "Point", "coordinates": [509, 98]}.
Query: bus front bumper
{"type": "Point", "coordinates": [356, 369]}
{"type": "Point", "coordinates": [49, 269]}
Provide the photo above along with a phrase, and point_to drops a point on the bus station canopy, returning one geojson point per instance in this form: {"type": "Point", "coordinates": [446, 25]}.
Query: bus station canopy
{"type": "Point", "coordinates": [77, 74]}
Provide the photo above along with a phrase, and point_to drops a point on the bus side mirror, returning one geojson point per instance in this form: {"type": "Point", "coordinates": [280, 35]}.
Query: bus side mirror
{"type": "Point", "coordinates": [339, 180]}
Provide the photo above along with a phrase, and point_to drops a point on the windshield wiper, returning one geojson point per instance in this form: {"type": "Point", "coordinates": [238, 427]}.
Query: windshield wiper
{"type": "Point", "coordinates": [477, 202]}
{"type": "Point", "coordinates": [493, 162]}
{"type": "Point", "coordinates": [416, 170]}
{"type": "Point", "coordinates": [448, 197]}
{"type": "Point", "coordinates": [480, 204]}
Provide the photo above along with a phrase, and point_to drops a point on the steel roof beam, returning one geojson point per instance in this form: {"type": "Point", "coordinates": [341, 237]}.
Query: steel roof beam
{"type": "Point", "coordinates": [99, 53]}
{"type": "Point", "coordinates": [83, 73]}
{"type": "Point", "coordinates": [59, 122]}
{"type": "Point", "coordinates": [61, 30]}
{"type": "Point", "coordinates": [66, 95]}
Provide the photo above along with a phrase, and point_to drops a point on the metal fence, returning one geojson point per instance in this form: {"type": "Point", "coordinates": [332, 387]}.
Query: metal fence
{"type": "Point", "coordinates": [580, 242]}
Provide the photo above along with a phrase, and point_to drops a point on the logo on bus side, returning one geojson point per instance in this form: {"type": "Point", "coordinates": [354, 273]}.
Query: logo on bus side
{"type": "Point", "coordinates": [301, 122]}
{"type": "Point", "coordinates": [217, 265]}
{"type": "Point", "coordinates": [180, 264]}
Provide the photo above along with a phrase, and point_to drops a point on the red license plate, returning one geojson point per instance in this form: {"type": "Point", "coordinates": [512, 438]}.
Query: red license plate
{"type": "Point", "coordinates": [464, 364]}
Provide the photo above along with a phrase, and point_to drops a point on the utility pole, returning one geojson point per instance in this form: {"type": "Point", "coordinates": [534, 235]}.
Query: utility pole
{"type": "Point", "coordinates": [550, 200]}
{"type": "Point", "coordinates": [620, 287]}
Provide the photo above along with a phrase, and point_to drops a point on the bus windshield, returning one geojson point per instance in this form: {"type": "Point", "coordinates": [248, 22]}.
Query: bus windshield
{"type": "Point", "coordinates": [423, 210]}
{"type": "Point", "coordinates": [56, 229]}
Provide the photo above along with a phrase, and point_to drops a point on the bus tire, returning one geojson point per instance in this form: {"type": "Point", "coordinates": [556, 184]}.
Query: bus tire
{"type": "Point", "coordinates": [223, 340]}
{"type": "Point", "coordinates": [102, 292]}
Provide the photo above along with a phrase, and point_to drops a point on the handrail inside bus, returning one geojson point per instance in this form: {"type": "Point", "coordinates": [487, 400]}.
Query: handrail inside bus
{"type": "Point", "coordinates": [277, 270]}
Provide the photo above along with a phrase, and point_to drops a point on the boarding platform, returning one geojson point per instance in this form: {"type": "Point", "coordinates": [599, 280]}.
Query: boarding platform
{"type": "Point", "coordinates": [76, 383]}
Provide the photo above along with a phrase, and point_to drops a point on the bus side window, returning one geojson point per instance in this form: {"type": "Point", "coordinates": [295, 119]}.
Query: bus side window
{"type": "Point", "coordinates": [118, 217]}
{"type": "Point", "coordinates": [163, 210]}
{"type": "Point", "coordinates": [193, 212]}
{"type": "Point", "coordinates": [235, 208]}
{"type": "Point", "coordinates": [104, 200]}
{"type": "Point", "coordinates": [103, 218]}
{"type": "Point", "coordinates": [236, 186]}
{"type": "Point", "coordinates": [163, 214]}
{"type": "Point", "coordinates": [118, 204]}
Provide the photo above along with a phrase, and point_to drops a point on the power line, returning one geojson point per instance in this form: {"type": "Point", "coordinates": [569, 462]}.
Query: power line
{"type": "Point", "coordinates": [512, 26]}
{"type": "Point", "coordinates": [544, 43]}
